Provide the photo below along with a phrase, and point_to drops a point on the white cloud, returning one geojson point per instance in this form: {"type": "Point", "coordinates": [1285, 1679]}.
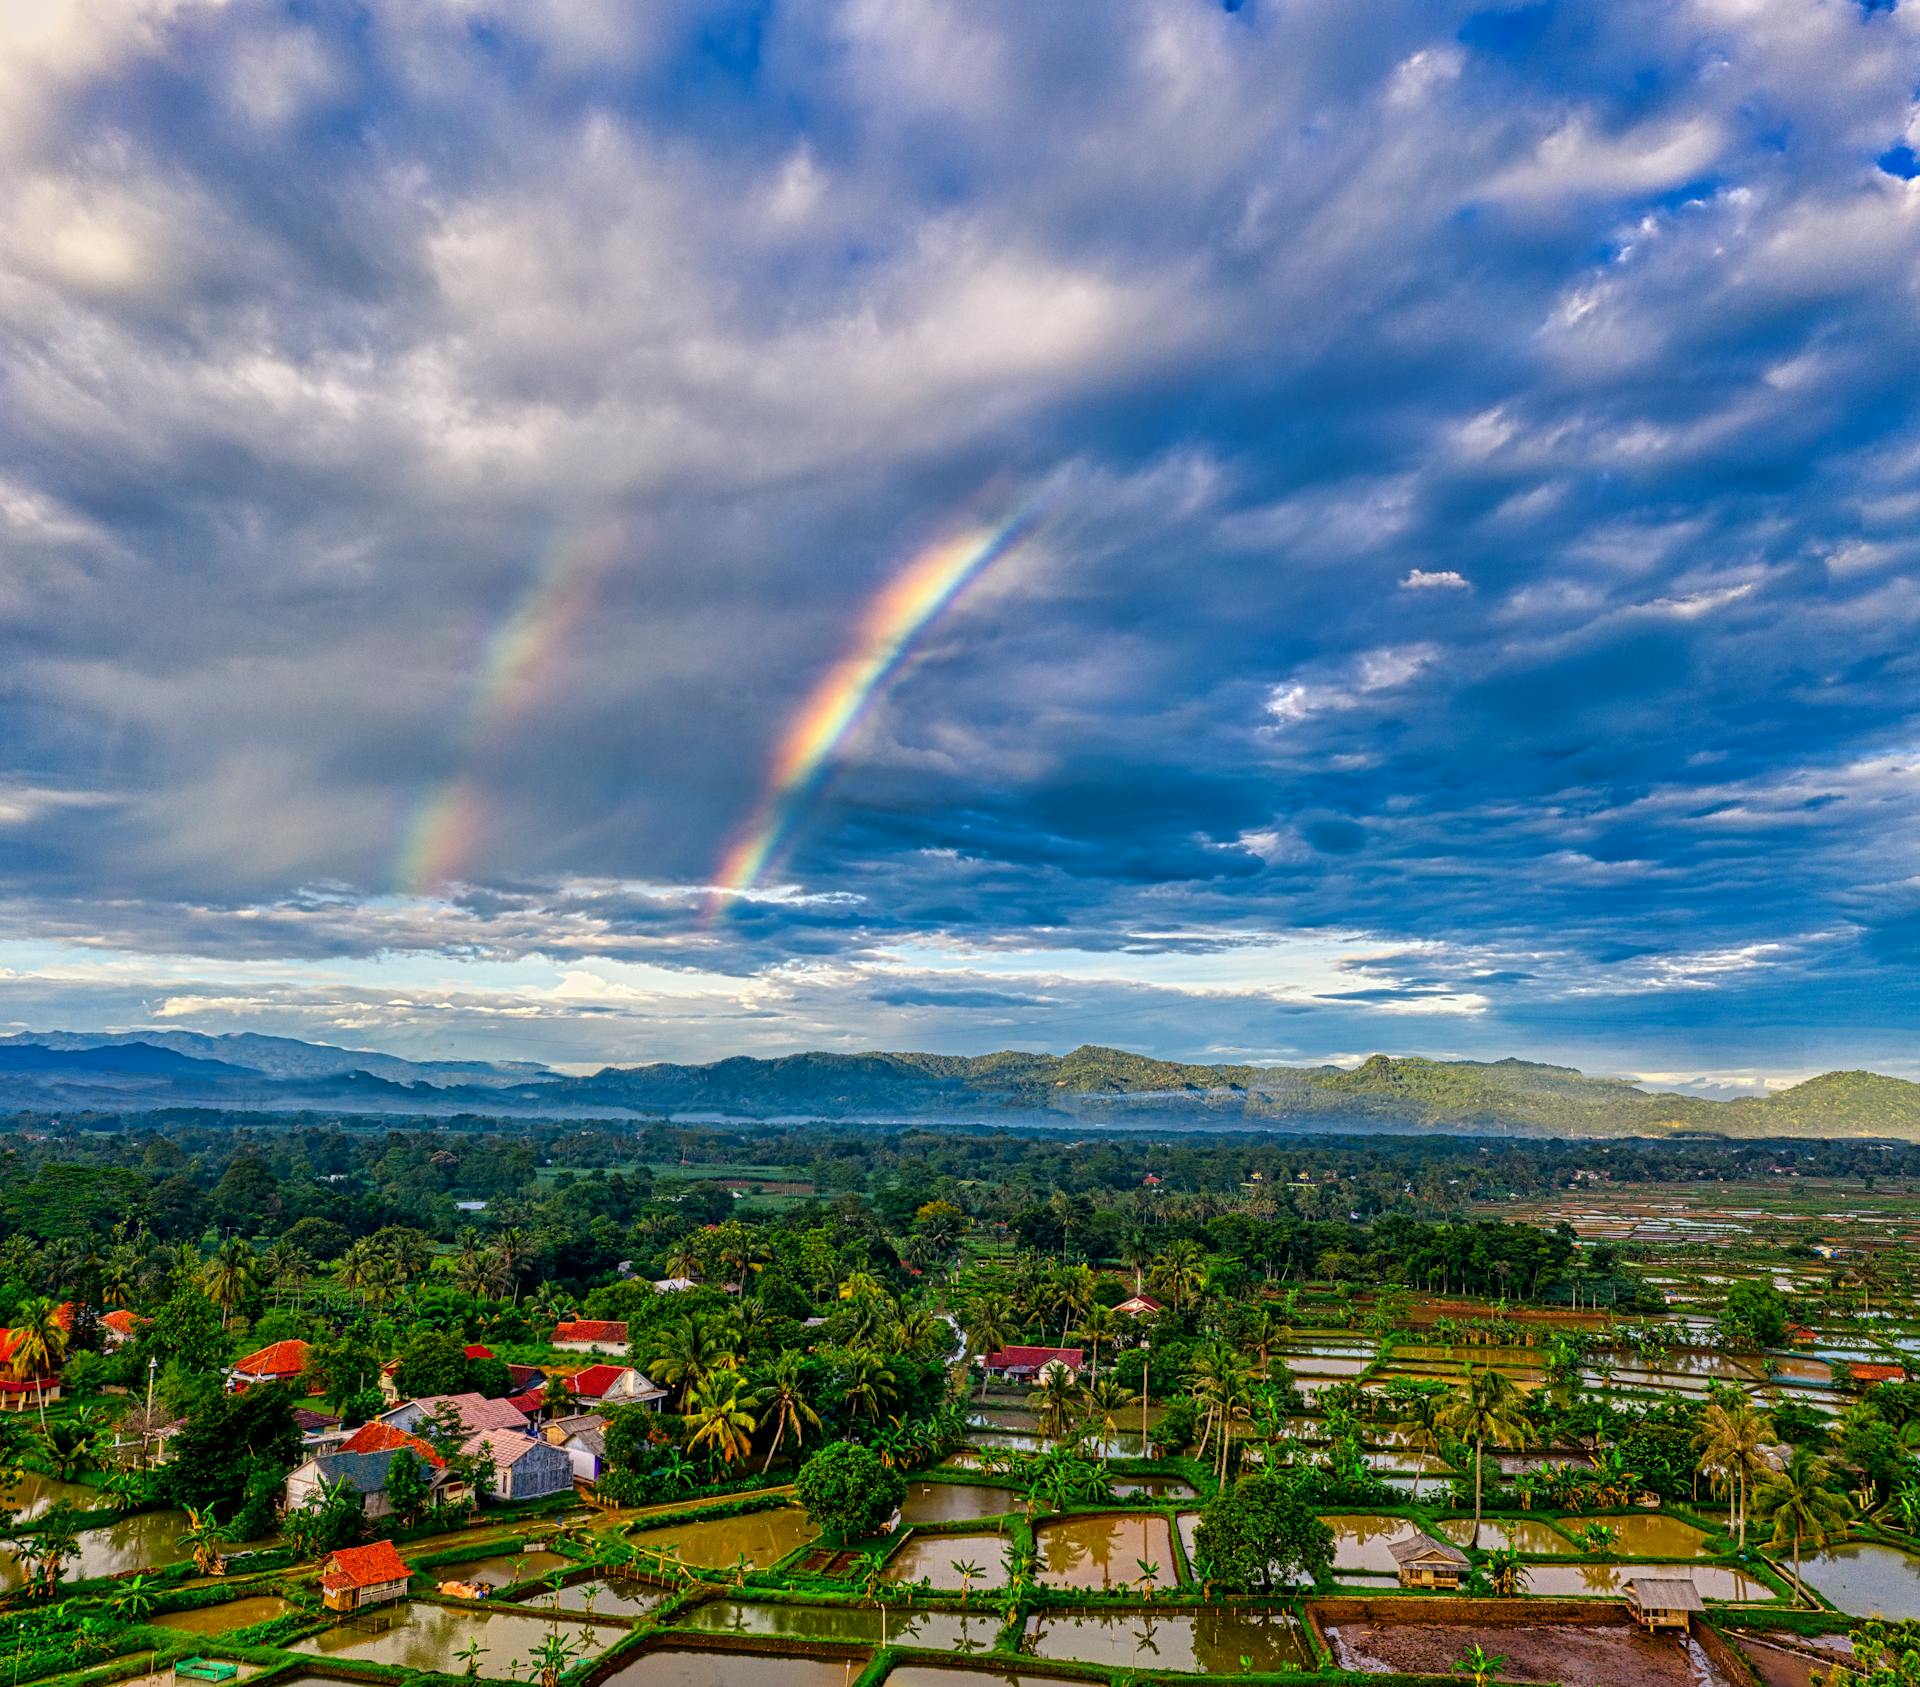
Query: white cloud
{"type": "Point", "coordinates": [1435, 580]}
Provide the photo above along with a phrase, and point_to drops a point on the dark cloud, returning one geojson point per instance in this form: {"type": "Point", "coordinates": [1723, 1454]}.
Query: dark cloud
{"type": "Point", "coordinates": [332, 339]}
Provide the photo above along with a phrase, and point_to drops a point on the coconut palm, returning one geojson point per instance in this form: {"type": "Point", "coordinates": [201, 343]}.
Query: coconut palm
{"type": "Point", "coordinates": [1730, 1438]}
{"type": "Point", "coordinates": [869, 1388]}
{"type": "Point", "coordinates": [1223, 1386]}
{"type": "Point", "coordinates": [511, 1249]}
{"type": "Point", "coordinates": [990, 1324]}
{"type": "Point", "coordinates": [1489, 1409]}
{"type": "Point", "coordinates": [1180, 1272]}
{"type": "Point", "coordinates": [230, 1276]}
{"type": "Point", "coordinates": [683, 1260]}
{"type": "Point", "coordinates": [1054, 1399]}
{"type": "Point", "coordinates": [1097, 1324]}
{"type": "Point", "coordinates": [720, 1416]}
{"type": "Point", "coordinates": [785, 1404]}
{"type": "Point", "coordinates": [686, 1353]}
{"type": "Point", "coordinates": [1802, 1508]}
{"type": "Point", "coordinates": [1105, 1401]}
{"type": "Point", "coordinates": [1421, 1435]}
{"type": "Point", "coordinates": [39, 1345]}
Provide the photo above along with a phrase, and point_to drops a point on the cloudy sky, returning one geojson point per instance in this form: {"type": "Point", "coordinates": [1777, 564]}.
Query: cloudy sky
{"type": "Point", "coordinates": [1466, 596]}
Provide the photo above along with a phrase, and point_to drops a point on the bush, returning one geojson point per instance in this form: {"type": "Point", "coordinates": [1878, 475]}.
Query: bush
{"type": "Point", "coordinates": [848, 1492]}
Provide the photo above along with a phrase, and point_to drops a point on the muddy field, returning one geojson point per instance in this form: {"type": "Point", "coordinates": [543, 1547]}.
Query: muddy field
{"type": "Point", "coordinates": [1615, 1653]}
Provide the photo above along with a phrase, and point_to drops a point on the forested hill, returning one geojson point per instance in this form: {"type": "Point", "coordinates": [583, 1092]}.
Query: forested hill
{"type": "Point", "coordinates": [1091, 1085]}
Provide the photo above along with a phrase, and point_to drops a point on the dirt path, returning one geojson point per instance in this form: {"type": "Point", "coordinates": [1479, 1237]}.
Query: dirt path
{"type": "Point", "coordinates": [1616, 1654]}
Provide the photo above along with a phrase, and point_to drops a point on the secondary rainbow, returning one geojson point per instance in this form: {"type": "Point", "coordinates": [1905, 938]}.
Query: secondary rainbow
{"type": "Point", "coordinates": [444, 828]}
{"type": "Point", "coordinates": [910, 602]}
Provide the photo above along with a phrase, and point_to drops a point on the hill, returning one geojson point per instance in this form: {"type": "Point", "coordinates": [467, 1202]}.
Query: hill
{"type": "Point", "coordinates": [1089, 1085]}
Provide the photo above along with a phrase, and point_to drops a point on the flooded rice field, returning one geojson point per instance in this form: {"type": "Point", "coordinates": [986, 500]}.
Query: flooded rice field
{"type": "Point", "coordinates": [420, 1636]}
{"type": "Point", "coordinates": [958, 1502]}
{"type": "Point", "coordinates": [1360, 1541]}
{"type": "Point", "coordinates": [503, 1570]}
{"type": "Point", "coordinates": [1583, 1580]}
{"type": "Point", "coordinates": [1104, 1552]}
{"type": "Point", "coordinates": [1153, 1487]}
{"type": "Point", "coordinates": [601, 1596]}
{"type": "Point", "coordinates": [1866, 1579]}
{"type": "Point", "coordinates": [1648, 1534]}
{"type": "Point", "coordinates": [935, 1559]}
{"type": "Point", "coordinates": [146, 1541]}
{"type": "Point", "coordinates": [219, 1619]}
{"type": "Point", "coordinates": [765, 1537]}
{"type": "Point", "coordinates": [939, 1675]}
{"type": "Point", "coordinates": [30, 1495]}
{"type": "Point", "coordinates": [1528, 1535]}
{"type": "Point", "coordinates": [942, 1631]}
{"type": "Point", "coordinates": [674, 1666]}
{"type": "Point", "coordinates": [1212, 1641]}
{"type": "Point", "coordinates": [1616, 1653]}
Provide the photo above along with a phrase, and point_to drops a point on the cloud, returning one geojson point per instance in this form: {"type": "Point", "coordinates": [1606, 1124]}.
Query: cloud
{"type": "Point", "coordinates": [1588, 346]}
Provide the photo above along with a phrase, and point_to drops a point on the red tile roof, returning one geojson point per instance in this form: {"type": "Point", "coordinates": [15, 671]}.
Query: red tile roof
{"type": "Point", "coordinates": [121, 1322]}
{"type": "Point", "coordinates": [364, 1566]}
{"type": "Point", "coordinates": [1877, 1372]}
{"type": "Point", "coordinates": [377, 1437]}
{"type": "Point", "coordinates": [527, 1404]}
{"type": "Point", "coordinates": [526, 1376]}
{"type": "Point", "coordinates": [279, 1359]}
{"type": "Point", "coordinates": [475, 1351]}
{"type": "Point", "coordinates": [595, 1380]}
{"type": "Point", "coordinates": [590, 1329]}
{"type": "Point", "coordinates": [1033, 1358]}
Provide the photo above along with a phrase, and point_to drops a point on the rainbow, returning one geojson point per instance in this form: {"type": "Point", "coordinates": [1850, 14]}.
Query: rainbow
{"type": "Point", "coordinates": [445, 826]}
{"type": "Point", "coordinates": [930, 583]}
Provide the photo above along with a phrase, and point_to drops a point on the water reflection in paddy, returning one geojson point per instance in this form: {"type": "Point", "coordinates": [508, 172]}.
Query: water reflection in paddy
{"type": "Point", "coordinates": [601, 1596]}
{"type": "Point", "coordinates": [1156, 1487]}
{"type": "Point", "coordinates": [1645, 1534]}
{"type": "Point", "coordinates": [957, 1502]}
{"type": "Point", "coordinates": [30, 1495]}
{"type": "Point", "coordinates": [145, 1541]}
{"type": "Point", "coordinates": [678, 1667]}
{"type": "Point", "coordinates": [1212, 1641]}
{"type": "Point", "coordinates": [1522, 1534]}
{"type": "Point", "coordinates": [933, 1557]}
{"type": "Point", "coordinates": [421, 1636]}
{"type": "Point", "coordinates": [1713, 1580]}
{"type": "Point", "coordinates": [1866, 1580]}
{"type": "Point", "coordinates": [503, 1570]}
{"type": "Point", "coordinates": [217, 1619]}
{"type": "Point", "coordinates": [942, 1631]}
{"type": "Point", "coordinates": [939, 1675]}
{"type": "Point", "coordinates": [1104, 1552]}
{"type": "Point", "coordinates": [1360, 1541]}
{"type": "Point", "coordinates": [717, 1543]}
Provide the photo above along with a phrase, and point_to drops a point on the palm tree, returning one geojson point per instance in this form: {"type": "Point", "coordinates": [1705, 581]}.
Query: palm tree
{"type": "Point", "coordinates": [1802, 1508]}
{"type": "Point", "coordinates": [1180, 1272]}
{"type": "Point", "coordinates": [39, 1345]}
{"type": "Point", "coordinates": [1224, 1388]}
{"type": "Point", "coordinates": [1489, 1410]}
{"type": "Point", "coordinates": [1731, 1434]}
{"type": "Point", "coordinates": [990, 1324]}
{"type": "Point", "coordinates": [1106, 1400]}
{"type": "Point", "coordinates": [720, 1416]}
{"type": "Point", "coordinates": [686, 1353]}
{"type": "Point", "coordinates": [230, 1276]}
{"type": "Point", "coordinates": [511, 1250]}
{"type": "Point", "coordinates": [869, 1388]}
{"type": "Point", "coordinates": [1264, 1333]}
{"type": "Point", "coordinates": [1097, 1324]}
{"type": "Point", "coordinates": [1054, 1399]}
{"type": "Point", "coordinates": [472, 1270]}
{"type": "Point", "coordinates": [683, 1260]}
{"type": "Point", "coordinates": [1422, 1435]}
{"type": "Point", "coordinates": [786, 1405]}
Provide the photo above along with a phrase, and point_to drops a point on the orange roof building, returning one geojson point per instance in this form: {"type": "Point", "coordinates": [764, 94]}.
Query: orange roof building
{"type": "Point", "coordinates": [358, 1576]}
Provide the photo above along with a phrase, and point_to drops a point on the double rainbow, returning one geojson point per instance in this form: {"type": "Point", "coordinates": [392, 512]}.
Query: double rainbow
{"type": "Point", "coordinates": [909, 603]}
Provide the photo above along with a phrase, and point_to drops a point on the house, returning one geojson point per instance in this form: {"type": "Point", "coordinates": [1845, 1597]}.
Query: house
{"type": "Point", "coordinates": [28, 1392]}
{"type": "Point", "coordinates": [531, 1404]}
{"type": "Point", "coordinates": [590, 1335]}
{"type": "Point", "coordinates": [280, 1361]}
{"type": "Point", "coordinates": [355, 1577]}
{"type": "Point", "coordinates": [1658, 1602]}
{"type": "Point", "coordinates": [477, 1350]}
{"type": "Point", "coordinates": [1865, 1372]}
{"type": "Point", "coordinates": [1139, 1306]}
{"type": "Point", "coordinates": [523, 1468]}
{"type": "Point", "coordinates": [320, 1432]}
{"type": "Point", "coordinates": [364, 1461]}
{"type": "Point", "coordinates": [522, 1377]}
{"type": "Point", "coordinates": [616, 1385]}
{"type": "Point", "coordinates": [1023, 1364]}
{"type": "Point", "coordinates": [474, 1413]}
{"type": "Point", "coordinates": [583, 1439]}
{"type": "Point", "coordinates": [118, 1327]}
{"type": "Point", "coordinates": [1425, 1562]}
{"type": "Point", "coordinates": [673, 1285]}
{"type": "Point", "coordinates": [1798, 1335]}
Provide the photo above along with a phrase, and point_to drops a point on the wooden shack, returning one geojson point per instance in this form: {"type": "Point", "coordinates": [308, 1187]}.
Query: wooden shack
{"type": "Point", "coordinates": [358, 1576]}
{"type": "Point", "coordinates": [1663, 1602]}
{"type": "Point", "coordinates": [1426, 1562]}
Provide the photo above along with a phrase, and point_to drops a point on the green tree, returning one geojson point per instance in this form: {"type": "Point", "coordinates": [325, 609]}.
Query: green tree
{"type": "Point", "coordinates": [407, 1486]}
{"type": "Point", "coordinates": [784, 1404]}
{"type": "Point", "coordinates": [1803, 1509]}
{"type": "Point", "coordinates": [1259, 1533]}
{"type": "Point", "coordinates": [1492, 1409]}
{"type": "Point", "coordinates": [848, 1492]}
{"type": "Point", "coordinates": [1754, 1315]}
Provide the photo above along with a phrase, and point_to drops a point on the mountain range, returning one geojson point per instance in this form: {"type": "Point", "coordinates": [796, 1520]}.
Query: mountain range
{"type": "Point", "coordinates": [139, 1071]}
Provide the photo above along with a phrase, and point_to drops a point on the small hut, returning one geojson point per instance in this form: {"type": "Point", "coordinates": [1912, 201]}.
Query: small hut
{"type": "Point", "coordinates": [1426, 1562]}
{"type": "Point", "coordinates": [358, 1576]}
{"type": "Point", "coordinates": [1663, 1602]}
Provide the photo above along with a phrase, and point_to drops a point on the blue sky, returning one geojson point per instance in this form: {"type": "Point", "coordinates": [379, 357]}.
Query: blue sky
{"type": "Point", "coordinates": [1474, 611]}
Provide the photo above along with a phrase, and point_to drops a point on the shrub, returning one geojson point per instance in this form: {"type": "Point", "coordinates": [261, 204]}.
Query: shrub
{"type": "Point", "coordinates": [848, 1492]}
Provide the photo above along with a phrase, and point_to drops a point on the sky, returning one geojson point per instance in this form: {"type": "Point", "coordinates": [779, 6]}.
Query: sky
{"type": "Point", "coordinates": [597, 532]}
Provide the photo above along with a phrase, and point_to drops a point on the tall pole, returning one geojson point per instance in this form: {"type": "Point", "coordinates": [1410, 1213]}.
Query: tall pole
{"type": "Point", "coordinates": [153, 1364]}
{"type": "Point", "coordinates": [1146, 1362]}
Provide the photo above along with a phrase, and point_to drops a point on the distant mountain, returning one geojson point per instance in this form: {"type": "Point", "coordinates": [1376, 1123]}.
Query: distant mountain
{"type": "Point", "coordinates": [1088, 1086]}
